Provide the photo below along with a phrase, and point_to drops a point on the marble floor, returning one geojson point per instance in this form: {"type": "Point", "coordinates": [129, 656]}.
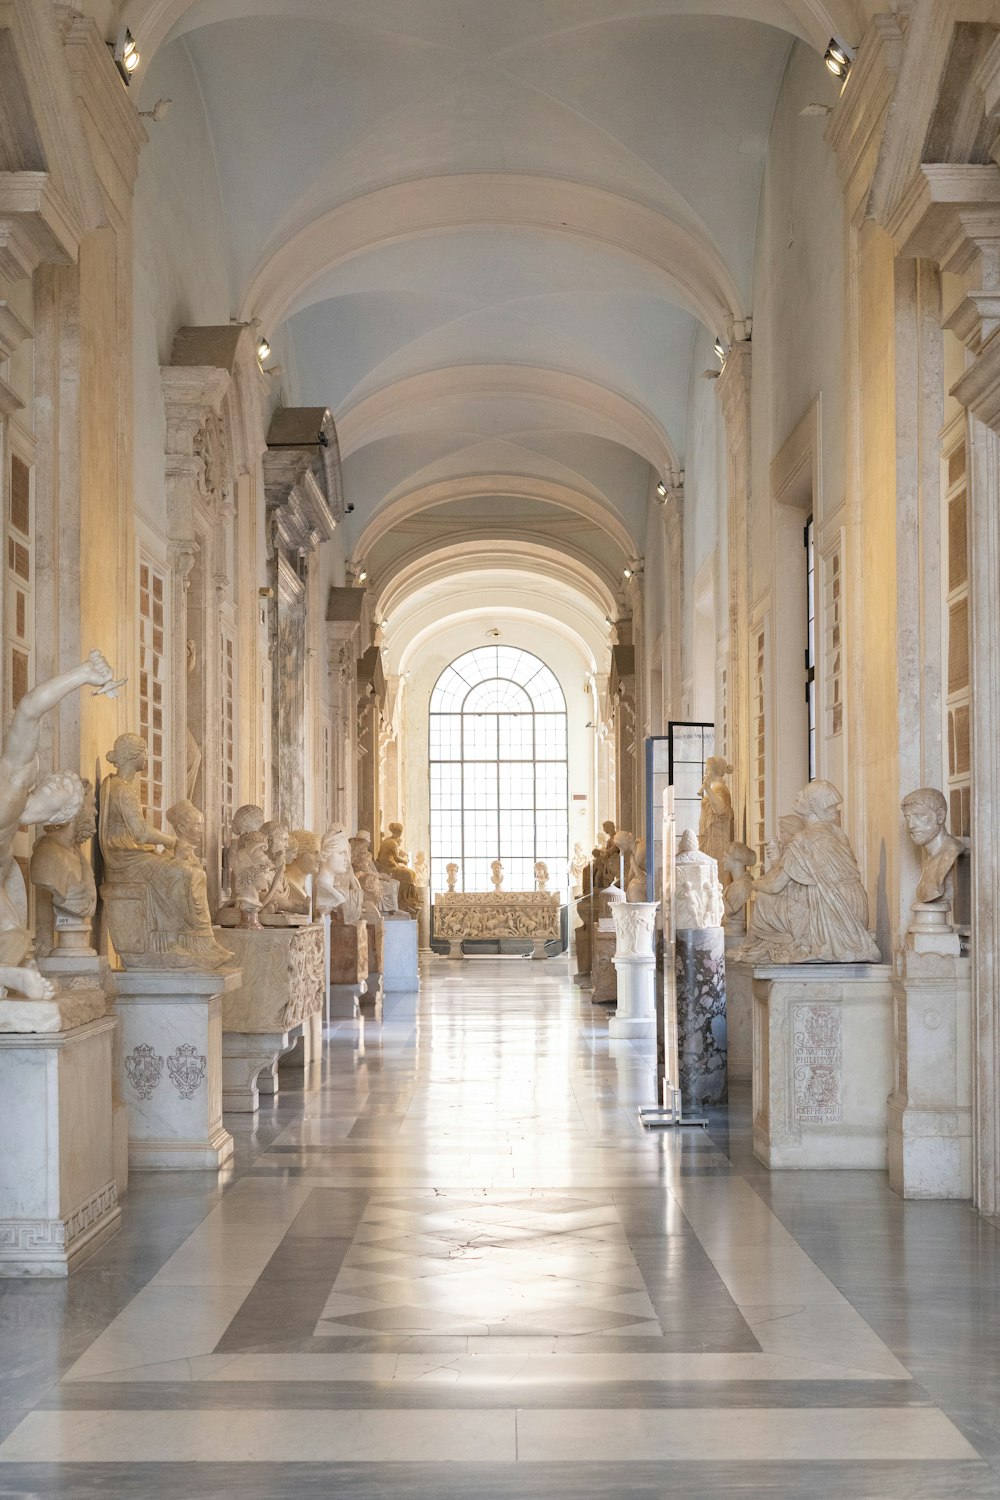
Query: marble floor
{"type": "Point", "coordinates": [449, 1263]}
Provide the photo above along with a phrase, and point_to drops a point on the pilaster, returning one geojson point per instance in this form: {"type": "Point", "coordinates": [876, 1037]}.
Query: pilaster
{"type": "Point", "coordinates": [733, 390]}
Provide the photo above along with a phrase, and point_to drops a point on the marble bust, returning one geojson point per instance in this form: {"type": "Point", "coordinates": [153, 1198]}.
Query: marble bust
{"type": "Point", "coordinates": [304, 853]}
{"type": "Point", "coordinates": [541, 875]}
{"type": "Point", "coordinates": [739, 861]}
{"type": "Point", "coordinates": [819, 910]}
{"type": "Point", "coordinates": [58, 863]}
{"type": "Point", "coordinates": [381, 890]}
{"type": "Point", "coordinates": [496, 874]}
{"type": "Point", "coordinates": [157, 904]}
{"type": "Point", "coordinates": [188, 823]}
{"type": "Point", "coordinates": [926, 813]}
{"type": "Point", "coordinates": [716, 824]}
{"type": "Point", "coordinates": [338, 890]}
{"type": "Point", "coordinates": [451, 870]}
{"type": "Point", "coordinates": [280, 851]}
{"type": "Point", "coordinates": [697, 889]}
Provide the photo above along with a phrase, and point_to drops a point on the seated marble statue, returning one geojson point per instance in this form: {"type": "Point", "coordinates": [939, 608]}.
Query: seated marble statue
{"type": "Point", "coordinates": [58, 863]}
{"type": "Point", "coordinates": [157, 906]}
{"type": "Point", "coordinates": [635, 889]}
{"type": "Point", "coordinates": [775, 920]}
{"type": "Point", "coordinates": [24, 799]}
{"type": "Point", "coordinates": [716, 826]}
{"type": "Point", "coordinates": [338, 890]}
{"type": "Point", "coordinates": [391, 861]}
{"type": "Point", "coordinates": [821, 908]}
{"type": "Point", "coordinates": [541, 875]}
{"type": "Point", "coordinates": [926, 813]}
{"type": "Point", "coordinates": [739, 860]}
{"type": "Point", "coordinates": [697, 890]}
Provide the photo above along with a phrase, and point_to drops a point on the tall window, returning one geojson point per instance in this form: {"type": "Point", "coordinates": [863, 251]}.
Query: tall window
{"type": "Point", "coordinates": [20, 584]}
{"type": "Point", "coordinates": [810, 544]}
{"type": "Point", "coordinates": [498, 770]}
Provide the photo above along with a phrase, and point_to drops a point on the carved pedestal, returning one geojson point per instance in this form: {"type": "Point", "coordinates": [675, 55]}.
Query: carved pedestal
{"type": "Point", "coordinates": [279, 1001]}
{"type": "Point", "coordinates": [348, 967]}
{"type": "Point", "coordinates": [635, 967]}
{"type": "Point", "coordinates": [930, 1108]}
{"type": "Point", "coordinates": [169, 1059]}
{"type": "Point", "coordinates": [58, 1198]}
{"type": "Point", "coordinates": [822, 1064]}
{"type": "Point", "coordinates": [700, 968]}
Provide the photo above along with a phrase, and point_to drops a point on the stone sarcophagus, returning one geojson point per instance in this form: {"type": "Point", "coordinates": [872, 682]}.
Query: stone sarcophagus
{"type": "Point", "coordinates": [281, 997]}
{"type": "Point", "coordinates": [530, 915]}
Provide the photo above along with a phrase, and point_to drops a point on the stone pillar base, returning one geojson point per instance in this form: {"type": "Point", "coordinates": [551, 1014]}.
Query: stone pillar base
{"type": "Point", "coordinates": [930, 1108]}
{"type": "Point", "coordinates": [402, 966]}
{"type": "Point", "coordinates": [170, 1066]}
{"type": "Point", "coordinates": [250, 1068]}
{"type": "Point", "coordinates": [822, 1064]}
{"type": "Point", "coordinates": [636, 1016]}
{"type": "Point", "coordinates": [739, 1019]}
{"type": "Point", "coordinates": [700, 967]}
{"type": "Point", "coordinates": [58, 1198]}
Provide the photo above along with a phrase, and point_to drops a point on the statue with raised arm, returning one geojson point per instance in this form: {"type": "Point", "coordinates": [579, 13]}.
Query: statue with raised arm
{"type": "Point", "coordinates": [157, 906]}
{"type": "Point", "coordinates": [25, 799]}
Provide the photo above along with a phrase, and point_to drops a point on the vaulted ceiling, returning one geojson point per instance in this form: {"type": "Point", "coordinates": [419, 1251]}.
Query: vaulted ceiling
{"type": "Point", "coordinates": [492, 230]}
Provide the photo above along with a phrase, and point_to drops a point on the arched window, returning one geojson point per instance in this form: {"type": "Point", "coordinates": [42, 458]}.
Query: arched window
{"type": "Point", "coordinates": [498, 770]}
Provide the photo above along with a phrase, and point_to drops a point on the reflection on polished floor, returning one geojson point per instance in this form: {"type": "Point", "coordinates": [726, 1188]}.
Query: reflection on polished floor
{"type": "Point", "coordinates": [455, 1266]}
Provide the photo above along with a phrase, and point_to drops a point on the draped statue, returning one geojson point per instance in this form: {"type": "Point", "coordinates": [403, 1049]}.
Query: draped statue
{"type": "Point", "coordinates": [716, 825]}
{"type": "Point", "coordinates": [157, 905]}
{"type": "Point", "coordinates": [392, 861]}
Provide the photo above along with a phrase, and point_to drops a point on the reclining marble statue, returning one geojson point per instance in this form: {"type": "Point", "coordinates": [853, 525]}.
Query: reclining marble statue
{"type": "Point", "coordinates": [25, 799]}
{"type": "Point", "coordinates": [815, 905]}
{"type": "Point", "coordinates": [156, 903]}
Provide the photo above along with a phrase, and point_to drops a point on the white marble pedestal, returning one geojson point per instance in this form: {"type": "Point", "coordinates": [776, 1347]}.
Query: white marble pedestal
{"type": "Point", "coordinates": [402, 970]}
{"type": "Point", "coordinates": [169, 1052]}
{"type": "Point", "coordinates": [635, 967]}
{"type": "Point", "coordinates": [58, 1198]}
{"type": "Point", "coordinates": [278, 1008]}
{"type": "Point", "coordinates": [739, 1019]}
{"type": "Point", "coordinates": [930, 1108]}
{"type": "Point", "coordinates": [822, 1064]}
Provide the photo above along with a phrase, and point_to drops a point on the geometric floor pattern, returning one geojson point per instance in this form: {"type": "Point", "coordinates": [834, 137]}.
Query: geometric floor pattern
{"type": "Point", "coordinates": [442, 1263]}
{"type": "Point", "coordinates": [448, 1262]}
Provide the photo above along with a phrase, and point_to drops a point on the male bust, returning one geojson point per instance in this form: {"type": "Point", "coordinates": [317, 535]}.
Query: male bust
{"type": "Point", "coordinates": [58, 863]}
{"type": "Point", "coordinates": [926, 812]}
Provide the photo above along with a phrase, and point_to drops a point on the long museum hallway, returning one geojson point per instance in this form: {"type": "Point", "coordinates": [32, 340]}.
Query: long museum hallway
{"type": "Point", "coordinates": [453, 1265]}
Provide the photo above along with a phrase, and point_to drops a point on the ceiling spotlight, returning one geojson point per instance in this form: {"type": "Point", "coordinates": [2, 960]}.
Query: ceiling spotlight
{"type": "Point", "coordinates": [263, 350]}
{"type": "Point", "coordinates": [838, 57]}
{"type": "Point", "coordinates": [661, 490]}
{"type": "Point", "coordinates": [125, 53]}
{"type": "Point", "coordinates": [720, 352]}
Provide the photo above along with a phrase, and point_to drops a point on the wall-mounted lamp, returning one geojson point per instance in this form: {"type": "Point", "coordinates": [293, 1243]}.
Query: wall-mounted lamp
{"type": "Point", "coordinates": [263, 350]}
{"type": "Point", "coordinates": [265, 593]}
{"type": "Point", "coordinates": [626, 572]}
{"type": "Point", "coordinates": [838, 58]}
{"type": "Point", "coordinates": [125, 53]}
{"type": "Point", "coordinates": [720, 352]}
{"type": "Point", "coordinates": [362, 575]}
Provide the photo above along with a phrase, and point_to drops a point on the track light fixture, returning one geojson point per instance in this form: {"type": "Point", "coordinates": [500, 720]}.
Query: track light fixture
{"type": "Point", "coordinates": [661, 490]}
{"type": "Point", "coordinates": [263, 350]}
{"type": "Point", "coordinates": [838, 58]}
{"type": "Point", "coordinates": [720, 352]}
{"type": "Point", "coordinates": [125, 53]}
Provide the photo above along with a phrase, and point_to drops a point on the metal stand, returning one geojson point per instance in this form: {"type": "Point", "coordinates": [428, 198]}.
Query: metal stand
{"type": "Point", "coordinates": [669, 1113]}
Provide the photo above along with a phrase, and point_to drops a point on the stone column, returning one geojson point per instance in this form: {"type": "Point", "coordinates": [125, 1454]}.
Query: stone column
{"type": "Point", "coordinates": [733, 389]}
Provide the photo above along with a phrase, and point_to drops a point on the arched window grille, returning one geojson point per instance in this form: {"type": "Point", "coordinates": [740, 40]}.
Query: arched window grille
{"type": "Point", "coordinates": [498, 771]}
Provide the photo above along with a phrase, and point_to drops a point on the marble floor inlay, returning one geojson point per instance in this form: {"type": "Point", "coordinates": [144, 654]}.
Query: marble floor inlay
{"type": "Point", "coordinates": [448, 1262]}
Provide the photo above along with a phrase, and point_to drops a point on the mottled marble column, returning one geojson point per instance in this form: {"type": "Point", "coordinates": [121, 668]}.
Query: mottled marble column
{"type": "Point", "coordinates": [700, 965]}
